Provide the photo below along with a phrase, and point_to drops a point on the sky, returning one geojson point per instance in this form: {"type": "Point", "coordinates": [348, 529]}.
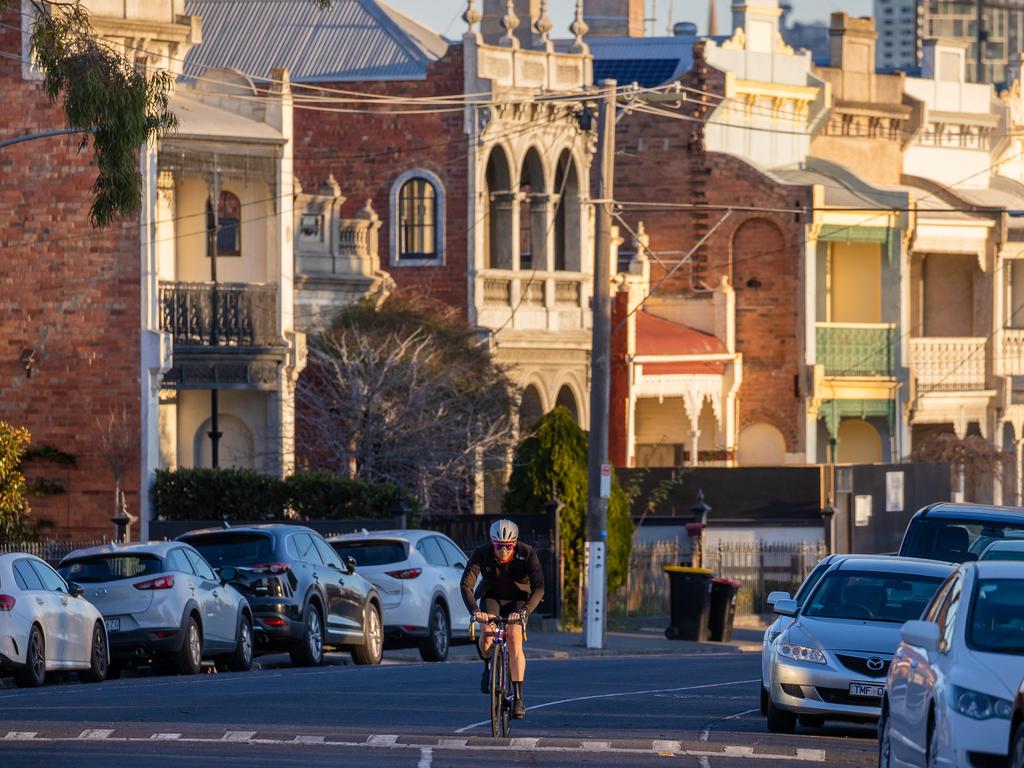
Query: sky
{"type": "Point", "coordinates": [444, 15]}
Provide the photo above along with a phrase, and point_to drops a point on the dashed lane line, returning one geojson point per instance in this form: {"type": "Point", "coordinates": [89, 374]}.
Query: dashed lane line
{"type": "Point", "coordinates": [426, 752]}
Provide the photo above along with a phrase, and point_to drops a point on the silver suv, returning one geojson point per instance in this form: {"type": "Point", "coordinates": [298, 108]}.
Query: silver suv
{"type": "Point", "coordinates": [162, 602]}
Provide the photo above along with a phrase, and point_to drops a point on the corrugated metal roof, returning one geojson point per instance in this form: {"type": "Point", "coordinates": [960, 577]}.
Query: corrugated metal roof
{"type": "Point", "coordinates": [352, 40]}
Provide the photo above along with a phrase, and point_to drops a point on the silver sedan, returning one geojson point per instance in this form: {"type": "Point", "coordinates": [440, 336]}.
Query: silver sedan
{"type": "Point", "coordinates": [830, 663]}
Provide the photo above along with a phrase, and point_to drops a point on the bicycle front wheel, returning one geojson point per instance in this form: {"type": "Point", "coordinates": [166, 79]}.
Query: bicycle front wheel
{"type": "Point", "coordinates": [497, 693]}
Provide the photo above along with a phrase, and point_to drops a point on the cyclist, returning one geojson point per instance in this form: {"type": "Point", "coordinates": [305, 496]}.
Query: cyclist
{"type": "Point", "coordinates": [511, 586]}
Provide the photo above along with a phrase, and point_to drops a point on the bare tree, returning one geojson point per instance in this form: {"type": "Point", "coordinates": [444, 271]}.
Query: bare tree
{"type": "Point", "coordinates": [389, 395]}
{"type": "Point", "coordinates": [119, 443]}
{"type": "Point", "coordinates": [972, 457]}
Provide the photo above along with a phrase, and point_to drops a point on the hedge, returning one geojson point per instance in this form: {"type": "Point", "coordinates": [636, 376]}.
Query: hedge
{"type": "Point", "coordinates": [244, 495]}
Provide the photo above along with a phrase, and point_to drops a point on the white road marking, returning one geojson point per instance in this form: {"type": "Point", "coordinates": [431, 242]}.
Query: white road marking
{"type": "Point", "coordinates": [813, 755]}
{"type": "Point", "coordinates": [704, 761]}
{"type": "Point", "coordinates": [20, 735]}
{"type": "Point", "coordinates": [595, 746]}
{"type": "Point", "coordinates": [731, 751]}
{"type": "Point", "coordinates": [460, 743]}
{"type": "Point", "coordinates": [165, 736]}
{"type": "Point", "coordinates": [382, 741]}
{"type": "Point", "coordinates": [667, 746]}
{"type": "Point", "coordinates": [426, 757]}
{"type": "Point", "coordinates": [238, 736]}
{"type": "Point", "coordinates": [310, 739]}
{"type": "Point", "coordinates": [615, 695]}
{"type": "Point", "coordinates": [520, 743]}
{"type": "Point", "coordinates": [95, 734]}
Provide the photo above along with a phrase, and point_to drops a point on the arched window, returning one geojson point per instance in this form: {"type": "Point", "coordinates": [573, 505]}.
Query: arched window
{"type": "Point", "coordinates": [229, 225]}
{"type": "Point", "coordinates": [532, 224]}
{"type": "Point", "coordinates": [567, 215]}
{"type": "Point", "coordinates": [497, 222]}
{"type": "Point", "coordinates": [417, 219]}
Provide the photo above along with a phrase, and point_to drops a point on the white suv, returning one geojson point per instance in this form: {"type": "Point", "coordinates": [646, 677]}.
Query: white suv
{"type": "Point", "coordinates": [163, 602]}
{"type": "Point", "coordinates": [419, 575]}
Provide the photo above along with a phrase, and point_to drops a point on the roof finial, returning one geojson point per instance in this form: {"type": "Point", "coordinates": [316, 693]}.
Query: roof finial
{"type": "Point", "coordinates": [511, 23]}
{"type": "Point", "coordinates": [544, 25]}
{"type": "Point", "coordinates": [472, 16]}
{"type": "Point", "coordinates": [579, 27]}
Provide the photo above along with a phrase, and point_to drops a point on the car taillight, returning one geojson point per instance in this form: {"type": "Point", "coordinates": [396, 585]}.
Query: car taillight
{"type": "Point", "coordinates": [161, 582]}
{"type": "Point", "coordinates": [276, 568]}
{"type": "Point", "coordinates": [6, 603]}
{"type": "Point", "coordinates": [274, 622]}
{"type": "Point", "coordinates": [408, 573]}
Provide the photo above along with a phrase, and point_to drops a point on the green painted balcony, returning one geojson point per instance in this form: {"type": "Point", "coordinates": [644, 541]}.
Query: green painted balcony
{"type": "Point", "coordinates": [857, 349]}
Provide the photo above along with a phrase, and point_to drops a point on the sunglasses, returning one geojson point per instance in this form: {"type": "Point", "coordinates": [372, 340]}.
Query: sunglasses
{"type": "Point", "coordinates": [500, 546]}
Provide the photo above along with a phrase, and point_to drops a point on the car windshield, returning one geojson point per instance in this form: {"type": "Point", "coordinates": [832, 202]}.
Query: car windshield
{"type": "Point", "coordinates": [809, 584]}
{"type": "Point", "coordinates": [1004, 550]}
{"type": "Point", "coordinates": [221, 549]}
{"type": "Point", "coordinates": [996, 624]}
{"type": "Point", "coordinates": [93, 570]}
{"type": "Point", "coordinates": [372, 552]}
{"type": "Point", "coordinates": [871, 596]}
{"type": "Point", "coordinates": [956, 541]}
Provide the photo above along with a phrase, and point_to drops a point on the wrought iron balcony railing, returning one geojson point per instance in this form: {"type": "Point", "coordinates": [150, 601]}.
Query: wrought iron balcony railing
{"type": "Point", "coordinates": [225, 315]}
{"type": "Point", "coordinates": [954, 364]}
{"type": "Point", "coordinates": [857, 349]}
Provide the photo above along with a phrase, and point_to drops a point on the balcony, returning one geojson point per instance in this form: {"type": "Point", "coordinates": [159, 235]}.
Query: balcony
{"type": "Point", "coordinates": [1010, 360]}
{"type": "Point", "coordinates": [245, 316]}
{"type": "Point", "coordinates": [533, 300]}
{"type": "Point", "coordinates": [954, 364]}
{"type": "Point", "coordinates": [857, 349]}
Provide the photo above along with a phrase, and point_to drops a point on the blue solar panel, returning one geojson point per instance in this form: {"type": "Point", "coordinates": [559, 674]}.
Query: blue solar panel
{"type": "Point", "coordinates": [647, 72]}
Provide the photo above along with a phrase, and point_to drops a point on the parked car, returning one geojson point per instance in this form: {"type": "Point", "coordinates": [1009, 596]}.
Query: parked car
{"type": "Point", "coordinates": [950, 693]}
{"type": "Point", "coordinates": [781, 622]}
{"type": "Point", "coordinates": [162, 603]}
{"type": "Point", "coordinates": [1016, 746]}
{"type": "Point", "coordinates": [958, 533]}
{"type": "Point", "coordinates": [418, 574]}
{"type": "Point", "coordinates": [831, 662]}
{"type": "Point", "coordinates": [1006, 549]}
{"type": "Point", "coordinates": [303, 597]}
{"type": "Point", "coordinates": [46, 625]}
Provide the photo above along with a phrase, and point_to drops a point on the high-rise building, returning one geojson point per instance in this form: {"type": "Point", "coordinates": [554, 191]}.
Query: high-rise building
{"type": "Point", "coordinates": [903, 26]}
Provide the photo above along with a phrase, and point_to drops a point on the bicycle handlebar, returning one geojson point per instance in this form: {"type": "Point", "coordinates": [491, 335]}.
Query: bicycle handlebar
{"type": "Point", "coordinates": [497, 620]}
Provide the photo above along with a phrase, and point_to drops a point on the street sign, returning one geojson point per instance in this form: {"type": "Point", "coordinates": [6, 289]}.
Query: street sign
{"type": "Point", "coordinates": [606, 481]}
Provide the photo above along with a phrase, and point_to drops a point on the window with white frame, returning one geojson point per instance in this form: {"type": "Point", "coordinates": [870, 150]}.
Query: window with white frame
{"type": "Point", "coordinates": [417, 219]}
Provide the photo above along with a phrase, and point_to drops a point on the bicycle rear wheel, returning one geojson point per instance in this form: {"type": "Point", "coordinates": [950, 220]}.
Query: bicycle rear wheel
{"type": "Point", "coordinates": [497, 692]}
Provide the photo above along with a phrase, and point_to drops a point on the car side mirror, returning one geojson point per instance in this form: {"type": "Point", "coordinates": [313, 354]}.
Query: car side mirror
{"type": "Point", "coordinates": [228, 573]}
{"type": "Point", "coordinates": [921, 634]}
{"type": "Point", "coordinates": [774, 597]}
{"type": "Point", "coordinates": [350, 564]}
{"type": "Point", "coordinates": [787, 607]}
{"type": "Point", "coordinates": [75, 589]}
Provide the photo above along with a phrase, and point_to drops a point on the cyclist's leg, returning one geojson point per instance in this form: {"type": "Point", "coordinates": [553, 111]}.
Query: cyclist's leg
{"type": "Point", "coordinates": [485, 641]}
{"type": "Point", "coordinates": [516, 652]}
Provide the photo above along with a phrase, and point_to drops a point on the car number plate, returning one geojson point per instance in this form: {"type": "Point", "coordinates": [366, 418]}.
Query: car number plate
{"type": "Point", "coordinates": [872, 690]}
{"type": "Point", "coordinates": [113, 625]}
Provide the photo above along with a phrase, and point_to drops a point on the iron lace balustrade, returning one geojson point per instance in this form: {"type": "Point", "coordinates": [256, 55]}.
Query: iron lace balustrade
{"type": "Point", "coordinates": [246, 314]}
{"type": "Point", "coordinates": [857, 349]}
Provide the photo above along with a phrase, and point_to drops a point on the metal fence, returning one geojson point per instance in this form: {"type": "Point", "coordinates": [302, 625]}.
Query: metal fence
{"type": "Point", "coordinates": [763, 567]}
{"type": "Point", "coordinates": [50, 551]}
{"type": "Point", "coordinates": [646, 589]}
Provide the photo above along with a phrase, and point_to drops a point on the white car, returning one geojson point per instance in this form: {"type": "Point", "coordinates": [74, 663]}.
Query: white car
{"type": "Point", "coordinates": [831, 662]}
{"type": "Point", "coordinates": [951, 688]}
{"type": "Point", "coordinates": [46, 626]}
{"type": "Point", "coordinates": [419, 576]}
{"type": "Point", "coordinates": [163, 602]}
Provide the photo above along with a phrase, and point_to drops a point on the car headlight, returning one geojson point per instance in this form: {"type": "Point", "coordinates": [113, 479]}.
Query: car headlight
{"type": "Point", "coordinates": [801, 653]}
{"type": "Point", "coordinates": [980, 706]}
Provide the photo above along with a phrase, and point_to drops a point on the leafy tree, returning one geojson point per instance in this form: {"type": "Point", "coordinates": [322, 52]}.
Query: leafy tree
{"type": "Point", "coordinates": [103, 94]}
{"type": "Point", "coordinates": [13, 490]}
{"type": "Point", "coordinates": [554, 457]}
{"type": "Point", "coordinates": [404, 393]}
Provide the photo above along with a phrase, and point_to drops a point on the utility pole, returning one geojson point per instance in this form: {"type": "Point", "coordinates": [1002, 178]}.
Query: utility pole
{"type": "Point", "coordinates": [599, 471]}
{"type": "Point", "coordinates": [211, 248]}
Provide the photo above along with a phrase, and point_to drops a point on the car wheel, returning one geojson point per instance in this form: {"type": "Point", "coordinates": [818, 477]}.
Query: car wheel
{"type": "Point", "coordinates": [439, 636]}
{"type": "Point", "coordinates": [33, 674]}
{"type": "Point", "coordinates": [190, 656]}
{"type": "Point", "coordinates": [931, 758]}
{"type": "Point", "coordinates": [310, 651]}
{"type": "Point", "coordinates": [779, 720]}
{"type": "Point", "coordinates": [97, 671]}
{"type": "Point", "coordinates": [1017, 752]}
{"type": "Point", "coordinates": [764, 700]}
{"type": "Point", "coordinates": [372, 648]}
{"type": "Point", "coordinates": [241, 659]}
{"type": "Point", "coordinates": [884, 740]}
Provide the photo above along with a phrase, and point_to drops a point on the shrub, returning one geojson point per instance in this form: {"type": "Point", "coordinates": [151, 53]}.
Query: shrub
{"type": "Point", "coordinates": [13, 491]}
{"type": "Point", "coordinates": [324, 496]}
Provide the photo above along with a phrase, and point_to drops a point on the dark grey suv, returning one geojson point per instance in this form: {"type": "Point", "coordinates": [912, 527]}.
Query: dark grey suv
{"type": "Point", "coordinates": [303, 597]}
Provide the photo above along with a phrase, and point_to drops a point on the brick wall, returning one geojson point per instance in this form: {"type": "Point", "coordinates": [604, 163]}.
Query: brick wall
{"type": "Point", "coordinates": [663, 160]}
{"type": "Point", "coordinates": [366, 152]}
{"type": "Point", "coordinates": [70, 292]}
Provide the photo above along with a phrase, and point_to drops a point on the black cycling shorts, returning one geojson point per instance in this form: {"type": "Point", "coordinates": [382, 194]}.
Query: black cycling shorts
{"type": "Point", "coordinates": [503, 608]}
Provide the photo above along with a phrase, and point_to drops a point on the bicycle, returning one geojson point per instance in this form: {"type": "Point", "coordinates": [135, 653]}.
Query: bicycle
{"type": "Point", "coordinates": [501, 684]}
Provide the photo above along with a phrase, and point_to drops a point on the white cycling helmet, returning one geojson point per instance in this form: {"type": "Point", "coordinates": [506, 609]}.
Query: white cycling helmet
{"type": "Point", "coordinates": [504, 531]}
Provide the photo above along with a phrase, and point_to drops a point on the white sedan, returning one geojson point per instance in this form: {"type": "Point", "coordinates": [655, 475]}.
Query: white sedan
{"type": "Point", "coordinates": [949, 694]}
{"type": "Point", "coordinates": [46, 625]}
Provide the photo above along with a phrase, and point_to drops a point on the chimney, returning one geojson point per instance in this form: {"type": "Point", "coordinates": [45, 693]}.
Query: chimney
{"type": "Point", "coordinates": [492, 25]}
{"type": "Point", "coordinates": [615, 18]}
{"type": "Point", "coordinates": [944, 60]}
{"type": "Point", "coordinates": [712, 19]}
{"type": "Point", "coordinates": [852, 43]}
{"type": "Point", "coordinates": [759, 20]}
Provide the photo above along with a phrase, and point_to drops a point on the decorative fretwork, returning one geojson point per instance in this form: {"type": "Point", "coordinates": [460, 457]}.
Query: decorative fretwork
{"type": "Point", "coordinates": [848, 349]}
{"type": "Point", "coordinates": [246, 315]}
{"type": "Point", "coordinates": [1010, 359]}
{"type": "Point", "coordinates": [948, 364]}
